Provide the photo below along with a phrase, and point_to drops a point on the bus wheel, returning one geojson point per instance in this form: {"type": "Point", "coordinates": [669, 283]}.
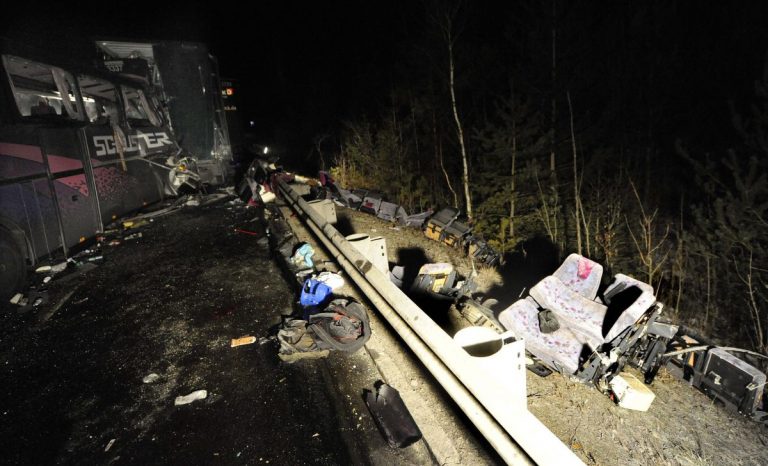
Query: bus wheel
{"type": "Point", "coordinates": [13, 271]}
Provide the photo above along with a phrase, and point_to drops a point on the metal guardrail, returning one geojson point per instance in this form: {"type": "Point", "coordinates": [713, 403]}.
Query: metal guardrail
{"type": "Point", "coordinates": [490, 392]}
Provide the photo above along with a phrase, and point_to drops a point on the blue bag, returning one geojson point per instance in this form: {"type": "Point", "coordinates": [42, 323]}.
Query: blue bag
{"type": "Point", "coordinates": [314, 293]}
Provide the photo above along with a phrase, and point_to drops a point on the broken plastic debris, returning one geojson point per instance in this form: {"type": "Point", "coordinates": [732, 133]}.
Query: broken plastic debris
{"type": "Point", "coordinates": [150, 378]}
{"type": "Point", "coordinates": [109, 445]}
{"type": "Point", "coordinates": [134, 224]}
{"type": "Point", "coordinates": [43, 269]}
{"type": "Point", "coordinates": [631, 393]}
{"type": "Point", "coordinates": [331, 279]}
{"type": "Point", "coordinates": [194, 396]}
{"type": "Point", "coordinates": [242, 341]}
{"type": "Point", "coordinates": [16, 298]}
{"type": "Point", "coordinates": [46, 279]}
{"type": "Point", "coordinates": [60, 267]}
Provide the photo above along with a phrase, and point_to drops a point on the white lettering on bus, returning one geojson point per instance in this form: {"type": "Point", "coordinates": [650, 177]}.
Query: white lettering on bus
{"type": "Point", "coordinates": [105, 145]}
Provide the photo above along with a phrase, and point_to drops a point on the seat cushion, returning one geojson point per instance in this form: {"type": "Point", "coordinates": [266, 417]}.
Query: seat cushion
{"type": "Point", "coordinates": [560, 349]}
{"type": "Point", "coordinates": [575, 312]}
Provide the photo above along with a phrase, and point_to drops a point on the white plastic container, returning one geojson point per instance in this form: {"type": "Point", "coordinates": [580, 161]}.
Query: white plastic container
{"type": "Point", "coordinates": [631, 393]}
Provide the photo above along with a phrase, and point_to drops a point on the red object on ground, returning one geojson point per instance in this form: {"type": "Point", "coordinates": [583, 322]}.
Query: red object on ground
{"type": "Point", "coordinates": [247, 232]}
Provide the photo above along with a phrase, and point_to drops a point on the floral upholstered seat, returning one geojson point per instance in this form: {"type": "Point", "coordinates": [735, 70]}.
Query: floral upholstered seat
{"type": "Point", "coordinates": [571, 294]}
{"type": "Point", "coordinates": [559, 349]}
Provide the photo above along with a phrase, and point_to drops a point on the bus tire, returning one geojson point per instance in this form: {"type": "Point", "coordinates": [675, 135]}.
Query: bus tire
{"type": "Point", "coordinates": [13, 270]}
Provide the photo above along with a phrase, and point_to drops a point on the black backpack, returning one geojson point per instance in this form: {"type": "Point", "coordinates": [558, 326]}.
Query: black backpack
{"type": "Point", "coordinates": [343, 325]}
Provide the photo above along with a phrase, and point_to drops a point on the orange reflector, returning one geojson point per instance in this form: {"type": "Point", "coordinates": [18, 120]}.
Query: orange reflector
{"type": "Point", "coordinates": [82, 238]}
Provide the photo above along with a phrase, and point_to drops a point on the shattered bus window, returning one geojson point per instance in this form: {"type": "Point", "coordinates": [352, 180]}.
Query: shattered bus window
{"type": "Point", "coordinates": [35, 89]}
{"type": "Point", "coordinates": [138, 109]}
{"type": "Point", "coordinates": [100, 100]}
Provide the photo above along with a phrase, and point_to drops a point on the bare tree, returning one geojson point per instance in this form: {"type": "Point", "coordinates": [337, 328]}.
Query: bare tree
{"type": "Point", "coordinates": [439, 155]}
{"type": "Point", "coordinates": [319, 139]}
{"type": "Point", "coordinates": [446, 23]}
{"type": "Point", "coordinates": [756, 300]}
{"type": "Point", "coordinates": [648, 244]}
{"type": "Point", "coordinates": [578, 210]}
{"type": "Point", "coordinates": [548, 210]}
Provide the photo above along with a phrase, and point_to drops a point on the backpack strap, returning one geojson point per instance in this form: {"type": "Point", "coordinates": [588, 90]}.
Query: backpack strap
{"type": "Point", "coordinates": [320, 324]}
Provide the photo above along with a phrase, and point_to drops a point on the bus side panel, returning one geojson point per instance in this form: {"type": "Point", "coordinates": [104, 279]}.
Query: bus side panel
{"type": "Point", "coordinates": [65, 158]}
{"type": "Point", "coordinates": [27, 203]}
{"type": "Point", "coordinates": [124, 184]}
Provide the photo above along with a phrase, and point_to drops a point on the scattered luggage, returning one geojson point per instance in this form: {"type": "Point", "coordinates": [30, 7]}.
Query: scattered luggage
{"type": "Point", "coordinates": [392, 416]}
{"type": "Point", "coordinates": [454, 234]}
{"type": "Point", "coordinates": [438, 222]}
{"type": "Point", "coordinates": [342, 326]}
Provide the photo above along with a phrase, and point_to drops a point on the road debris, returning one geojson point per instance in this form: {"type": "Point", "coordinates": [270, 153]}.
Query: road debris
{"type": "Point", "coordinates": [194, 396]}
{"type": "Point", "coordinates": [303, 256]}
{"type": "Point", "coordinates": [109, 445]}
{"type": "Point", "coordinates": [150, 378]}
{"type": "Point", "coordinates": [391, 415]}
{"type": "Point", "coordinates": [246, 232]}
{"type": "Point", "coordinates": [130, 224]}
{"type": "Point", "coordinates": [333, 280]}
{"type": "Point", "coordinates": [242, 341]}
{"type": "Point", "coordinates": [630, 393]}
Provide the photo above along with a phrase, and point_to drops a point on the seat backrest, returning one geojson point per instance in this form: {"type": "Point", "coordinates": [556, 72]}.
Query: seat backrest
{"type": "Point", "coordinates": [645, 299]}
{"type": "Point", "coordinates": [445, 216]}
{"type": "Point", "coordinates": [581, 275]}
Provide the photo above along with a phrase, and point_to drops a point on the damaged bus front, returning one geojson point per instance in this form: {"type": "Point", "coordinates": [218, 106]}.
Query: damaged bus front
{"type": "Point", "coordinates": [185, 76]}
{"type": "Point", "coordinates": [78, 148]}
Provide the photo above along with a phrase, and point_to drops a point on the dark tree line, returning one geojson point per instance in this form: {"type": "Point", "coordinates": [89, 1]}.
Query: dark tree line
{"type": "Point", "coordinates": [604, 127]}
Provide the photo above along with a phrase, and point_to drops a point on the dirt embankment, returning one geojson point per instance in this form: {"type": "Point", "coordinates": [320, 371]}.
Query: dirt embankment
{"type": "Point", "coordinates": [683, 426]}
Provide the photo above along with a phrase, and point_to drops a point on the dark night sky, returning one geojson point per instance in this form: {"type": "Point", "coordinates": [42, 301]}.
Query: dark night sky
{"type": "Point", "coordinates": [305, 66]}
{"type": "Point", "coordinates": [298, 63]}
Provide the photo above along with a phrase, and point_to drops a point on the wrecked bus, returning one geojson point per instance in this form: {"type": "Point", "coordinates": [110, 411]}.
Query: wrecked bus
{"type": "Point", "coordinates": [78, 148]}
{"type": "Point", "coordinates": [185, 77]}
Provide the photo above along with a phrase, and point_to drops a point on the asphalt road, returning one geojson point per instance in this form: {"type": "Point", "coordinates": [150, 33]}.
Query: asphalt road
{"type": "Point", "coordinates": [169, 304]}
